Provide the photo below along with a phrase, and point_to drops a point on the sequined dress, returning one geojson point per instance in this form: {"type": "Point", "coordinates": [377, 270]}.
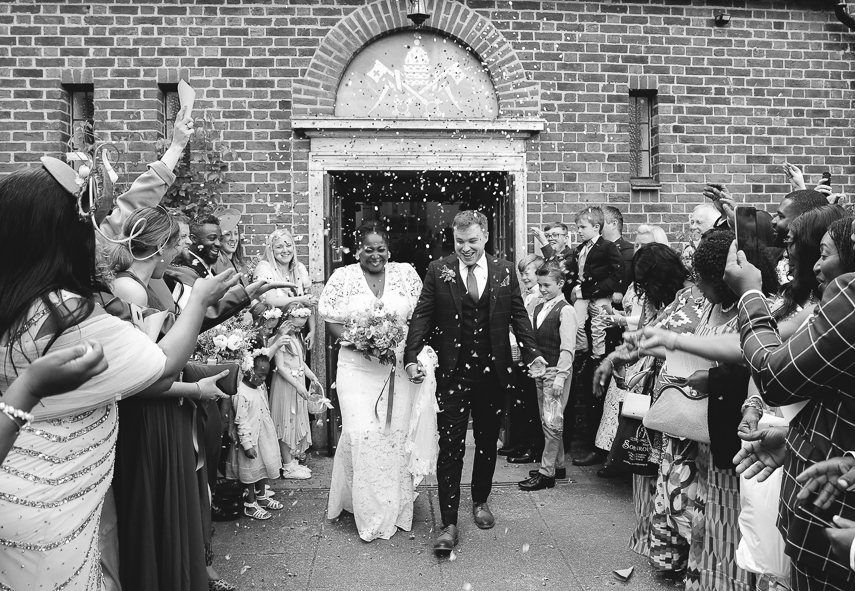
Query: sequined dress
{"type": "Point", "coordinates": [55, 477]}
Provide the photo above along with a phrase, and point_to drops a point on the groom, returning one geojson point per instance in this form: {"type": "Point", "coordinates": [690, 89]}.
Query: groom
{"type": "Point", "coordinates": [468, 304]}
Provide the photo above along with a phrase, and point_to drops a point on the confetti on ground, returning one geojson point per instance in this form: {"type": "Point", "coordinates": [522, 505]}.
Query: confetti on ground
{"type": "Point", "coordinates": [525, 548]}
{"type": "Point", "coordinates": [244, 568]}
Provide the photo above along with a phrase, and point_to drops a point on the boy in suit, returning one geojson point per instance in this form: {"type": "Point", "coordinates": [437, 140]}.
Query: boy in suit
{"type": "Point", "coordinates": [593, 275]}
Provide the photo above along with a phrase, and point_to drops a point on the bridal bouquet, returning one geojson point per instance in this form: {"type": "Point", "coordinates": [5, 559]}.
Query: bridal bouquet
{"type": "Point", "coordinates": [376, 332]}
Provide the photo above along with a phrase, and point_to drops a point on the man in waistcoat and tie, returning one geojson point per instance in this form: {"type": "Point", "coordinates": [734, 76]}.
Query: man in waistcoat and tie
{"type": "Point", "coordinates": [469, 302]}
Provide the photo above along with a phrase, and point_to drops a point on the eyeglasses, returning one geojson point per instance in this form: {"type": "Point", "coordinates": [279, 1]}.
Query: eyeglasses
{"type": "Point", "coordinates": [555, 234]}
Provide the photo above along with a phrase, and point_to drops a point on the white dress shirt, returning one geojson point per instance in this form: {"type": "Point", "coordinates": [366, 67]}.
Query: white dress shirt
{"type": "Point", "coordinates": [480, 270]}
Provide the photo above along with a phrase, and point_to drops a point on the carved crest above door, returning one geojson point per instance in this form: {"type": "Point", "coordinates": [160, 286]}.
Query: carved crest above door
{"type": "Point", "coordinates": [416, 75]}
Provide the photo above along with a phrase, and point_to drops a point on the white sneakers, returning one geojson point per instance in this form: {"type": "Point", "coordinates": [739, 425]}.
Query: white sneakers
{"type": "Point", "coordinates": [294, 471]}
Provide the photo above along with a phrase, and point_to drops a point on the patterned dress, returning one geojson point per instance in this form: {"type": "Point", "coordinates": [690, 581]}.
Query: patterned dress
{"type": "Point", "coordinates": [715, 515]}
{"type": "Point", "coordinates": [681, 316]}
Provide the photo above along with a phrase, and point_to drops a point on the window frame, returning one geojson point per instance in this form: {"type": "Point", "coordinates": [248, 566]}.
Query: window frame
{"type": "Point", "coordinates": [647, 127]}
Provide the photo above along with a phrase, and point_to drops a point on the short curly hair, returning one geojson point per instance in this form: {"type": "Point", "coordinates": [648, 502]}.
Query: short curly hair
{"type": "Point", "coordinates": [711, 258]}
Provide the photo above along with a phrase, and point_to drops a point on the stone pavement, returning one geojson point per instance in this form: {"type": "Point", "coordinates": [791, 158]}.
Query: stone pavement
{"type": "Point", "coordinates": [570, 537]}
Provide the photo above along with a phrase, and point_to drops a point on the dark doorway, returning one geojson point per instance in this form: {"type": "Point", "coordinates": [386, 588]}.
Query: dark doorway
{"type": "Point", "coordinates": [417, 207]}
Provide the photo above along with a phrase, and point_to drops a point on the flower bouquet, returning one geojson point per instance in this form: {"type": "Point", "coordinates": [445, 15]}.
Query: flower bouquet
{"type": "Point", "coordinates": [229, 342]}
{"type": "Point", "coordinates": [375, 332]}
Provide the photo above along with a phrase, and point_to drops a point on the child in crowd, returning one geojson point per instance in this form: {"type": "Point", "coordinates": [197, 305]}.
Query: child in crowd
{"type": "Point", "coordinates": [524, 416]}
{"type": "Point", "coordinates": [593, 275]}
{"type": "Point", "coordinates": [288, 394]}
{"type": "Point", "coordinates": [258, 458]}
{"type": "Point", "coordinates": [555, 326]}
{"type": "Point", "coordinates": [553, 242]}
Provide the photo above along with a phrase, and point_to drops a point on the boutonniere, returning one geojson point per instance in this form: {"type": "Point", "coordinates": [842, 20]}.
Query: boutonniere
{"type": "Point", "coordinates": [447, 274]}
{"type": "Point", "coordinates": [506, 281]}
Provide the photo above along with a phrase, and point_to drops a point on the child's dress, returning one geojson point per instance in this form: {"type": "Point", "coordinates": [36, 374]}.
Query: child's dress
{"type": "Point", "coordinates": [252, 426]}
{"type": "Point", "coordinates": [289, 409]}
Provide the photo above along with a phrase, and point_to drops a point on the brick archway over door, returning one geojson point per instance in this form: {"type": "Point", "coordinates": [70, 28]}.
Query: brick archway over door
{"type": "Point", "coordinates": [314, 95]}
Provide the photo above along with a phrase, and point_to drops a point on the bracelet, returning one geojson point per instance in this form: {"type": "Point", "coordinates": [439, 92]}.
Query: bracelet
{"type": "Point", "coordinates": [199, 388]}
{"type": "Point", "coordinates": [754, 403]}
{"type": "Point", "coordinates": [14, 414]}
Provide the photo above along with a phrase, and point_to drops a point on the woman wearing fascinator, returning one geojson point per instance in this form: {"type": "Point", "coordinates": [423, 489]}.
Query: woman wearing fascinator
{"type": "Point", "coordinates": [62, 464]}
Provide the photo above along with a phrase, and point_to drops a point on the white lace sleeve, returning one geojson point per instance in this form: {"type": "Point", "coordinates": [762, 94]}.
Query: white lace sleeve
{"type": "Point", "coordinates": [412, 285]}
{"type": "Point", "coordinates": [332, 305]}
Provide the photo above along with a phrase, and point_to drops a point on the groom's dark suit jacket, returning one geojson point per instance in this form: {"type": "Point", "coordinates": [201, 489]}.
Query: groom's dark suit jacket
{"type": "Point", "coordinates": [436, 319]}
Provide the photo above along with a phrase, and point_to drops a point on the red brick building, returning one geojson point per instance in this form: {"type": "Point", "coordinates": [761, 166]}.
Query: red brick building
{"type": "Point", "coordinates": [334, 111]}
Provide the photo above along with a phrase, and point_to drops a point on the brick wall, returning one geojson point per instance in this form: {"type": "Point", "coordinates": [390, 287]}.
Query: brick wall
{"type": "Point", "coordinates": [733, 102]}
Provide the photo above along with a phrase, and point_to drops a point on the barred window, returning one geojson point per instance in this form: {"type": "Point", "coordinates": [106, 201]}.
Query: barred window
{"type": "Point", "coordinates": [169, 107]}
{"type": "Point", "coordinates": [642, 134]}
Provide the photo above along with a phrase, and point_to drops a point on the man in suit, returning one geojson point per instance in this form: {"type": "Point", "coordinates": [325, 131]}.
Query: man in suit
{"type": "Point", "coordinates": [553, 242]}
{"type": "Point", "coordinates": [468, 303]}
{"type": "Point", "coordinates": [613, 232]}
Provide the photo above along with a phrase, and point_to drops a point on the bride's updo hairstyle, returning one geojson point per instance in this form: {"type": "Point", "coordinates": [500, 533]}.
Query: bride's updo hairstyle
{"type": "Point", "coordinates": [369, 228]}
{"type": "Point", "coordinates": [52, 250]}
{"type": "Point", "coordinates": [152, 229]}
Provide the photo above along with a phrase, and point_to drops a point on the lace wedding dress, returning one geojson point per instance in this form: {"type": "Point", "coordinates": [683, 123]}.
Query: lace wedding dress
{"type": "Point", "coordinates": [371, 475]}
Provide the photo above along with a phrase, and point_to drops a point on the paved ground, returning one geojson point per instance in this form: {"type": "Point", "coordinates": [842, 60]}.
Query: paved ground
{"type": "Point", "coordinates": [570, 537]}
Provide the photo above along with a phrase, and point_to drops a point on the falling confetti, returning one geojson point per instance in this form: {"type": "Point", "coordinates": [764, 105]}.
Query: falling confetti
{"type": "Point", "coordinates": [525, 548]}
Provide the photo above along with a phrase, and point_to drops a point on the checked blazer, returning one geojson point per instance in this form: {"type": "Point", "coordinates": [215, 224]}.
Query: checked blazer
{"type": "Point", "coordinates": [436, 319]}
{"type": "Point", "coordinates": [816, 364]}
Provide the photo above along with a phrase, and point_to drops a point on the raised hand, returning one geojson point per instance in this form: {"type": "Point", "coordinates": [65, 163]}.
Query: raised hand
{"type": "Point", "coordinates": [262, 286]}
{"type": "Point", "coordinates": [740, 275]}
{"type": "Point", "coordinates": [826, 480]}
{"type": "Point", "coordinates": [722, 200]}
{"type": "Point", "coordinates": [212, 289]}
{"type": "Point", "coordinates": [762, 453]}
{"type": "Point", "coordinates": [794, 176]}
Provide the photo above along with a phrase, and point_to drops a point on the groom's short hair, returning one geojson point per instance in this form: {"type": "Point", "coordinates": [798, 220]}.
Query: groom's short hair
{"type": "Point", "coordinates": [467, 218]}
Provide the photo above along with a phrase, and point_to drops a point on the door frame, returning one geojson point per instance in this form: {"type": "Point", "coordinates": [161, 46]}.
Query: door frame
{"type": "Point", "coordinates": [344, 152]}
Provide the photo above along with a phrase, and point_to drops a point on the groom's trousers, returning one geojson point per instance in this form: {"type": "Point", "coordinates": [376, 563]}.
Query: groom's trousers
{"type": "Point", "coordinates": [474, 386]}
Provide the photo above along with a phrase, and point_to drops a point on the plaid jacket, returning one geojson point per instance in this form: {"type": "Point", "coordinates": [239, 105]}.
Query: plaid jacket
{"type": "Point", "coordinates": [815, 364]}
{"type": "Point", "coordinates": [436, 319]}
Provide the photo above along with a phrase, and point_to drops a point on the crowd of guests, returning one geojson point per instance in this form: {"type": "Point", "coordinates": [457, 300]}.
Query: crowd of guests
{"type": "Point", "coordinates": [761, 418]}
{"type": "Point", "coordinates": [103, 318]}
{"type": "Point", "coordinates": [107, 313]}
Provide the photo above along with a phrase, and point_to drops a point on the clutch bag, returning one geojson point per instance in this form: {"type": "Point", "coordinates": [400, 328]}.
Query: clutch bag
{"type": "Point", "coordinates": [680, 412]}
{"type": "Point", "coordinates": [194, 371]}
{"type": "Point", "coordinates": [635, 406]}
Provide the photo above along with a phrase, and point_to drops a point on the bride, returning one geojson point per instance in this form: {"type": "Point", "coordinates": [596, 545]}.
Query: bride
{"type": "Point", "coordinates": [371, 477]}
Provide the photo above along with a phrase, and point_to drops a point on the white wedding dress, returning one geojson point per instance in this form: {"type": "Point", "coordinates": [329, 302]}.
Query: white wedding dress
{"type": "Point", "coordinates": [371, 475]}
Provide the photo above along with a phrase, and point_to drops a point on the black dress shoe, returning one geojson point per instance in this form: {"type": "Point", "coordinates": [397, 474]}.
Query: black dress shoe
{"type": "Point", "coordinates": [511, 451]}
{"type": "Point", "coordinates": [527, 457]}
{"type": "Point", "coordinates": [609, 471]}
{"type": "Point", "coordinates": [560, 473]}
{"type": "Point", "coordinates": [446, 540]}
{"type": "Point", "coordinates": [593, 458]}
{"type": "Point", "coordinates": [483, 516]}
{"type": "Point", "coordinates": [537, 482]}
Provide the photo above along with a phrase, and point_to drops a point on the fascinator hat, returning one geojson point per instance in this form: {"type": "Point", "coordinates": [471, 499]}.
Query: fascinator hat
{"type": "Point", "coordinates": [86, 186]}
{"type": "Point", "coordinates": [229, 219]}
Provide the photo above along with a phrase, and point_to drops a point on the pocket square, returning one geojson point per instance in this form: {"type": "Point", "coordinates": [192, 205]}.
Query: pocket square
{"type": "Point", "coordinates": [506, 281]}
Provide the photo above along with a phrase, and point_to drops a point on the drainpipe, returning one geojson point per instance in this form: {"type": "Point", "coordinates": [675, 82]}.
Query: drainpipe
{"type": "Point", "coordinates": [843, 15]}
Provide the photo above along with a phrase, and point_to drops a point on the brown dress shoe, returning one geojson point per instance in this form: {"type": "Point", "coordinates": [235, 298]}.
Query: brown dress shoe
{"type": "Point", "coordinates": [483, 516]}
{"type": "Point", "coordinates": [446, 540]}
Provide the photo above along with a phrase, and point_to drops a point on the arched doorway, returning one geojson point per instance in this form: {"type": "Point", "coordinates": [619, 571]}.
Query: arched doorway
{"type": "Point", "coordinates": [415, 130]}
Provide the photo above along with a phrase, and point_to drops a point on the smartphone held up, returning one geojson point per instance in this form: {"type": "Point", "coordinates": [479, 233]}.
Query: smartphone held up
{"type": "Point", "coordinates": [746, 233]}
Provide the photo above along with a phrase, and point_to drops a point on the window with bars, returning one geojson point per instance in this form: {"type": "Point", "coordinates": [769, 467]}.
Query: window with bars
{"type": "Point", "coordinates": [81, 114]}
{"type": "Point", "coordinates": [642, 134]}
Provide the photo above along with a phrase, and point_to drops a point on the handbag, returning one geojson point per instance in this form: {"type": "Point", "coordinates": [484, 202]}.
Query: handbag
{"type": "Point", "coordinates": [680, 412]}
{"type": "Point", "coordinates": [637, 403]}
{"type": "Point", "coordinates": [631, 448]}
{"type": "Point", "coordinates": [194, 371]}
